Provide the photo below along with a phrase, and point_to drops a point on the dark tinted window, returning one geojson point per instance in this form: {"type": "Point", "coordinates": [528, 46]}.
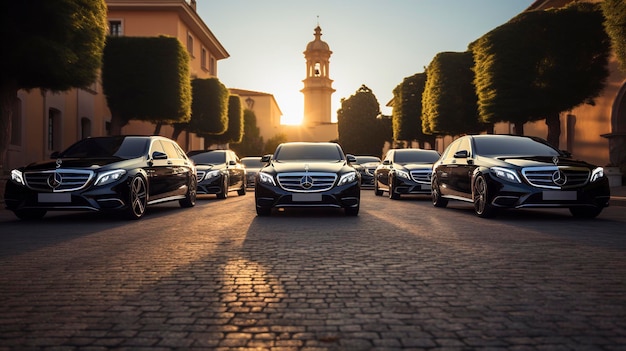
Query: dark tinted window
{"type": "Point", "coordinates": [512, 146]}
{"type": "Point", "coordinates": [122, 147]}
{"type": "Point", "coordinates": [308, 152]}
{"type": "Point", "coordinates": [366, 159]}
{"type": "Point", "coordinates": [416, 156]}
{"type": "Point", "coordinates": [209, 157]}
{"type": "Point", "coordinates": [252, 162]}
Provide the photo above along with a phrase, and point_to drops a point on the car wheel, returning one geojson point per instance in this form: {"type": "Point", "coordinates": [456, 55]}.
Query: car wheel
{"type": "Point", "coordinates": [29, 215]}
{"type": "Point", "coordinates": [137, 198]}
{"type": "Point", "coordinates": [392, 194]}
{"type": "Point", "coordinates": [585, 212]}
{"type": "Point", "coordinates": [438, 201]}
{"type": "Point", "coordinates": [190, 196]}
{"type": "Point", "coordinates": [263, 211]}
{"type": "Point", "coordinates": [377, 191]}
{"type": "Point", "coordinates": [242, 191]}
{"type": "Point", "coordinates": [224, 193]}
{"type": "Point", "coordinates": [482, 207]}
{"type": "Point", "coordinates": [352, 211]}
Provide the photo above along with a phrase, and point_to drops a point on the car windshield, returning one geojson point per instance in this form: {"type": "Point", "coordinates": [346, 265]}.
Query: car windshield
{"type": "Point", "coordinates": [308, 152]}
{"type": "Point", "coordinates": [252, 162]}
{"type": "Point", "coordinates": [104, 147]}
{"type": "Point", "coordinates": [209, 158]}
{"type": "Point", "coordinates": [366, 159]}
{"type": "Point", "coordinates": [416, 156]}
{"type": "Point", "coordinates": [512, 146]}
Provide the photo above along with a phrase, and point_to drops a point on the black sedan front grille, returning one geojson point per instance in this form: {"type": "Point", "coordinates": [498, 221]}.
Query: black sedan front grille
{"type": "Point", "coordinates": [58, 180]}
{"type": "Point", "coordinates": [422, 175]}
{"type": "Point", "coordinates": [306, 181]}
{"type": "Point", "coordinates": [546, 177]}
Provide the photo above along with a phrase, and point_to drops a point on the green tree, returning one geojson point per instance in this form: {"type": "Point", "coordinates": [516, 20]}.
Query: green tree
{"type": "Point", "coordinates": [52, 45]}
{"type": "Point", "coordinates": [209, 107]}
{"type": "Point", "coordinates": [449, 102]}
{"type": "Point", "coordinates": [146, 78]}
{"type": "Point", "coordinates": [615, 26]}
{"type": "Point", "coordinates": [252, 142]}
{"type": "Point", "coordinates": [356, 123]}
{"type": "Point", "coordinates": [539, 64]}
{"type": "Point", "coordinates": [234, 131]}
{"type": "Point", "coordinates": [407, 110]}
{"type": "Point", "coordinates": [273, 142]}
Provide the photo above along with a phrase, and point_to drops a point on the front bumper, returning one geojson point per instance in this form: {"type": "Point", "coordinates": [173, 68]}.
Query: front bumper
{"type": "Point", "coordinates": [214, 185]}
{"type": "Point", "coordinates": [345, 196]}
{"type": "Point", "coordinates": [406, 186]}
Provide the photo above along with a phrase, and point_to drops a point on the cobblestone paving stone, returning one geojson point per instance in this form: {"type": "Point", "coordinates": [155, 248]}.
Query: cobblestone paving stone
{"type": "Point", "coordinates": [400, 276]}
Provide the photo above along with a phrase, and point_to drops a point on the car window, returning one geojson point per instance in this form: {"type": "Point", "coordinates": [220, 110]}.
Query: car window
{"type": "Point", "coordinates": [157, 146]}
{"type": "Point", "coordinates": [122, 147]}
{"type": "Point", "coordinates": [512, 146]}
{"type": "Point", "coordinates": [308, 152]}
{"type": "Point", "coordinates": [209, 157]}
{"type": "Point", "coordinates": [422, 156]}
{"type": "Point", "coordinates": [252, 162]}
{"type": "Point", "coordinates": [366, 159]}
{"type": "Point", "coordinates": [170, 149]}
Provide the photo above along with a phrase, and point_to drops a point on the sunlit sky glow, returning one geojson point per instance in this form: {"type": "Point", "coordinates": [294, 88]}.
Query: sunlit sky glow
{"type": "Point", "coordinates": [376, 43]}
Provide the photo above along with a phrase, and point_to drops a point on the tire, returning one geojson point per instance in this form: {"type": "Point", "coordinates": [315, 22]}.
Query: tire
{"type": "Point", "coordinates": [191, 195]}
{"type": "Point", "coordinates": [263, 211]}
{"type": "Point", "coordinates": [224, 193]}
{"type": "Point", "coordinates": [352, 211]}
{"type": "Point", "coordinates": [137, 198]}
{"type": "Point", "coordinates": [585, 212]}
{"type": "Point", "coordinates": [377, 191]}
{"type": "Point", "coordinates": [480, 194]}
{"type": "Point", "coordinates": [438, 201]}
{"type": "Point", "coordinates": [392, 194]}
{"type": "Point", "coordinates": [242, 191]}
{"type": "Point", "coordinates": [30, 215]}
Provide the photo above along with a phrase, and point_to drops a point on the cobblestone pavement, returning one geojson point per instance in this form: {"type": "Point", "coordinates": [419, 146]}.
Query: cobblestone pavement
{"type": "Point", "coordinates": [401, 276]}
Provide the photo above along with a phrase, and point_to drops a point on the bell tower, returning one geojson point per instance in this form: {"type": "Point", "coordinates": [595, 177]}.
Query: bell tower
{"type": "Point", "coordinates": [317, 84]}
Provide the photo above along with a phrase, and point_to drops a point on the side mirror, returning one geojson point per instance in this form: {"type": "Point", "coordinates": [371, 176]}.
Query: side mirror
{"type": "Point", "coordinates": [266, 158]}
{"type": "Point", "coordinates": [461, 154]}
{"type": "Point", "coordinates": [158, 155]}
{"type": "Point", "coordinates": [232, 163]}
{"type": "Point", "coordinates": [350, 158]}
{"type": "Point", "coordinates": [387, 162]}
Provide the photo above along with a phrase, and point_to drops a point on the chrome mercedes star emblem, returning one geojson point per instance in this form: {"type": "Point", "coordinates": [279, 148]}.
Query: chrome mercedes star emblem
{"type": "Point", "coordinates": [559, 178]}
{"type": "Point", "coordinates": [306, 182]}
{"type": "Point", "coordinates": [555, 160]}
{"type": "Point", "coordinates": [59, 161]}
{"type": "Point", "coordinates": [55, 180]}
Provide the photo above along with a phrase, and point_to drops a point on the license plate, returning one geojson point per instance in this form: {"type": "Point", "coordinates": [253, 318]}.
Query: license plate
{"type": "Point", "coordinates": [425, 187]}
{"type": "Point", "coordinates": [560, 195]}
{"type": "Point", "coordinates": [52, 197]}
{"type": "Point", "coordinates": [306, 197]}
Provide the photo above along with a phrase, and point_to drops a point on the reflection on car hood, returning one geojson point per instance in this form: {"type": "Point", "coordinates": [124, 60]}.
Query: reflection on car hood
{"type": "Point", "coordinates": [331, 167]}
{"type": "Point", "coordinates": [91, 163]}
{"type": "Point", "coordinates": [542, 161]}
{"type": "Point", "coordinates": [412, 166]}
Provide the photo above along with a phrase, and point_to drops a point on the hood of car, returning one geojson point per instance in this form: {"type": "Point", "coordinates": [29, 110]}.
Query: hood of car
{"type": "Point", "coordinates": [206, 167]}
{"type": "Point", "coordinates": [328, 167]}
{"type": "Point", "coordinates": [414, 166]}
{"type": "Point", "coordinates": [82, 163]}
{"type": "Point", "coordinates": [542, 161]}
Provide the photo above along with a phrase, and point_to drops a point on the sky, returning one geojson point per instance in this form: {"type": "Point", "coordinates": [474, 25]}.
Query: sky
{"type": "Point", "coordinates": [374, 43]}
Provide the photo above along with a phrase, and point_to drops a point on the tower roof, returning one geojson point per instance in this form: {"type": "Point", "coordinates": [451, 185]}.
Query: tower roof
{"type": "Point", "coordinates": [318, 43]}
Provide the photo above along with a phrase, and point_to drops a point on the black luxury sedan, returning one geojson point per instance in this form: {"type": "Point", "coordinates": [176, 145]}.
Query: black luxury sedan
{"type": "Point", "coordinates": [117, 173]}
{"type": "Point", "coordinates": [366, 165]}
{"type": "Point", "coordinates": [405, 171]}
{"type": "Point", "coordinates": [308, 174]}
{"type": "Point", "coordinates": [252, 165]}
{"type": "Point", "coordinates": [506, 171]}
{"type": "Point", "coordinates": [219, 172]}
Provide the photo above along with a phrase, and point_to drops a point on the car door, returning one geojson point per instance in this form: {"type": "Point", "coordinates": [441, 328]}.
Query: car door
{"type": "Point", "coordinates": [462, 166]}
{"type": "Point", "coordinates": [180, 169]}
{"type": "Point", "coordinates": [159, 171]}
{"type": "Point", "coordinates": [383, 170]}
{"type": "Point", "coordinates": [235, 171]}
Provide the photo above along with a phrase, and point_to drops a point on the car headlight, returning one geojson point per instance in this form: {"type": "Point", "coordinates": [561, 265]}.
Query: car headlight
{"type": "Point", "coordinates": [347, 178]}
{"type": "Point", "coordinates": [597, 174]}
{"type": "Point", "coordinates": [402, 174]}
{"type": "Point", "coordinates": [18, 177]}
{"type": "Point", "coordinates": [506, 174]}
{"type": "Point", "coordinates": [266, 179]}
{"type": "Point", "coordinates": [211, 174]}
{"type": "Point", "coordinates": [109, 177]}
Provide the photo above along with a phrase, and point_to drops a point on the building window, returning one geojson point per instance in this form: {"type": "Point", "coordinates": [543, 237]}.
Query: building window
{"type": "Point", "coordinates": [85, 127]}
{"type": "Point", "coordinates": [212, 69]}
{"type": "Point", "coordinates": [54, 130]}
{"type": "Point", "coordinates": [115, 28]}
{"type": "Point", "coordinates": [190, 44]}
{"type": "Point", "coordinates": [16, 124]}
{"type": "Point", "coordinates": [203, 59]}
